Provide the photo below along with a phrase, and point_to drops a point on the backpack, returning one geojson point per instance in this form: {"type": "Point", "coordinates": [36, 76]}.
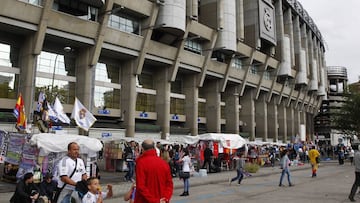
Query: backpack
{"type": "Point", "coordinates": [81, 188]}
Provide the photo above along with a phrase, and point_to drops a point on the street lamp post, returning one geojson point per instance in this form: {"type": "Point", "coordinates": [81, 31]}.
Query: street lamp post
{"type": "Point", "coordinates": [67, 50]}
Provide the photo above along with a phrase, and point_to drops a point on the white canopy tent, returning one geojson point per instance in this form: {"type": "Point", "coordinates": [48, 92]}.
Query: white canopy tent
{"type": "Point", "coordinates": [48, 142]}
{"type": "Point", "coordinates": [231, 141]}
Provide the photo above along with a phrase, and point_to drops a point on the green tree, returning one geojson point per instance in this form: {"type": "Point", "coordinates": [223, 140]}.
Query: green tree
{"type": "Point", "coordinates": [347, 118]}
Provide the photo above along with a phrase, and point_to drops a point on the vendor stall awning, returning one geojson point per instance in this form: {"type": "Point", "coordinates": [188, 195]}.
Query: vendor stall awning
{"type": "Point", "coordinates": [48, 142]}
{"type": "Point", "coordinates": [232, 141]}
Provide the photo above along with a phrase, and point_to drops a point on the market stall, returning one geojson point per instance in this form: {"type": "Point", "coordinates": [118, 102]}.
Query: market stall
{"type": "Point", "coordinates": [223, 145]}
{"type": "Point", "coordinates": [39, 153]}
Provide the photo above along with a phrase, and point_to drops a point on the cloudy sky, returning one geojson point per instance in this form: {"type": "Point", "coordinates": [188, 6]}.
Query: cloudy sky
{"type": "Point", "coordinates": [339, 24]}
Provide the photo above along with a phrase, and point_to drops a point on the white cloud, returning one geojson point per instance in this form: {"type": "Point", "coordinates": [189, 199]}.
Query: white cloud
{"type": "Point", "coordinates": [338, 22]}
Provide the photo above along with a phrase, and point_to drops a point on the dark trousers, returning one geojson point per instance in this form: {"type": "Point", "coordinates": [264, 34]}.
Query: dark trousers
{"type": "Point", "coordinates": [355, 185]}
{"type": "Point", "coordinates": [130, 173]}
{"type": "Point", "coordinates": [239, 176]}
{"type": "Point", "coordinates": [208, 162]}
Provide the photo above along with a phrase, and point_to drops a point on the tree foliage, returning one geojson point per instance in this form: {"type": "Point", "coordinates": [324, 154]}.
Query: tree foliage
{"type": "Point", "coordinates": [347, 118]}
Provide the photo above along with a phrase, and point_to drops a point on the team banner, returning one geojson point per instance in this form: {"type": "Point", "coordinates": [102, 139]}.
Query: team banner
{"type": "Point", "coordinates": [83, 118]}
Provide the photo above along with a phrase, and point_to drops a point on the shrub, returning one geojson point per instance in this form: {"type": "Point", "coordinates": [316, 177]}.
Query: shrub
{"type": "Point", "coordinates": [251, 168]}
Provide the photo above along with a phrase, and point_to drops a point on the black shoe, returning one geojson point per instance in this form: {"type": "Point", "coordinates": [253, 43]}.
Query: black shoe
{"type": "Point", "coordinates": [185, 194]}
{"type": "Point", "coordinates": [290, 185]}
{"type": "Point", "coordinates": [281, 185]}
{"type": "Point", "coordinates": [352, 199]}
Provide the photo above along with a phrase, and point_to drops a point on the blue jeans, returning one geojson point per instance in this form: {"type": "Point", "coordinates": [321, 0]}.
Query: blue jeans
{"type": "Point", "coordinates": [186, 184]}
{"type": "Point", "coordinates": [130, 172]}
{"type": "Point", "coordinates": [65, 196]}
{"type": "Point", "coordinates": [286, 170]}
{"type": "Point", "coordinates": [239, 176]}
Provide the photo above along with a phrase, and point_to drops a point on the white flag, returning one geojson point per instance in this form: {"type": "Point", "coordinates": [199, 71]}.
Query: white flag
{"type": "Point", "coordinates": [51, 113]}
{"type": "Point", "coordinates": [83, 118]}
{"type": "Point", "coordinates": [41, 100]}
{"type": "Point", "coordinates": [59, 110]}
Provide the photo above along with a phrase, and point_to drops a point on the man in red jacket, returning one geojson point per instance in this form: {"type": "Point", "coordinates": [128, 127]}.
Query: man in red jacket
{"type": "Point", "coordinates": [153, 177]}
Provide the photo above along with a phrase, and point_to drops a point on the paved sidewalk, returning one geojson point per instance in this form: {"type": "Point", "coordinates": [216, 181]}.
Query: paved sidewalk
{"type": "Point", "coordinates": [120, 186]}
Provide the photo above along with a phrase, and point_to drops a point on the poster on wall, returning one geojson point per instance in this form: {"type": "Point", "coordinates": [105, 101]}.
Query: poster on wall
{"type": "Point", "coordinates": [3, 145]}
{"type": "Point", "coordinates": [28, 160]}
{"type": "Point", "coordinates": [15, 148]}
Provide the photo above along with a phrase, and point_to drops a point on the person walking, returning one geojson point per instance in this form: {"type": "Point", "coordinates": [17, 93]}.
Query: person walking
{"type": "Point", "coordinates": [26, 191]}
{"type": "Point", "coordinates": [71, 170]}
{"type": "Point", "coordinates": [130, 160]}
{"type": "Point", "coordinates": [351, 155]}
{"type": "Point", "coordinates": [186, 166]}
{"type": "Point", "coordinates": [240, 164]}
{"type": "Point", "coordinates": [153, 177]}
{"type": "Point", "coordinates": [272, 157]}
{"type": "Point", "coordinates": [284, 164]}
{"type": "Point", "coordinates": [314, 156]}
{"type": "Point", "coordinates": [357, 174]}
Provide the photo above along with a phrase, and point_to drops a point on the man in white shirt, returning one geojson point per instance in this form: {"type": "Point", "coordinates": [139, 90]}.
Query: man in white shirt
{"type": "Point", "coordinates": [71, 169]}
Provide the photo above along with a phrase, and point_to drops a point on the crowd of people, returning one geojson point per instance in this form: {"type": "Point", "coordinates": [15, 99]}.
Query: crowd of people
{"type": "Point", "coordinates": [152, 167]}
{"type": "Point", "coordinates": [72, 173]}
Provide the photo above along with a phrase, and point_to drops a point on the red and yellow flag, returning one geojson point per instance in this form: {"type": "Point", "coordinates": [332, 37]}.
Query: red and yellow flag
{"type": "Point", "coordinates": [19, 113]}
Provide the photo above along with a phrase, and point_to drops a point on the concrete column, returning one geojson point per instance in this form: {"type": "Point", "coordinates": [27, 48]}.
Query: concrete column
{"type": "Point", "coordinates": [288, 28]}
{"type": "Point", "coordinates": [273, 123]}
{"type": "Point", "coordinates": [282, 121]}
{"type": "Point", "coordinates": [27, 65]}
{"type": "Point", "coordinates": [290, 121]}
{"type": "Point", "coordinates": [191, 104]}
{"type": "Point", "coordinates": [310, 123]}
{"type": "Point", "coordinates": [303, 117]}
{"type": "Point", "coordinates": [213, 110]}
{"type": "Point", "coordinates": [280, 30]}
{"type": "Point", "coordinates": [247, 113]}
{"type": "Point", "coordinates": [240, 31]}
{"type": "Point", "coordinates": [232, 109]}
{"type": "Point", "coordinates": [84, 81]}
{"type": "Point", "coordinates": [297, 122]}
{"type": "Point", "coordinates": [303, 121]}
{"type": "Point", "coordinates": [128, 97]}
{"type": "Point", "coordinates": [163, 101]}
{"type": "Point", "coordinates": [261, 115]}
{"type": "Point", "coordinates": [304, 44]}
{"type": "Point", "coordinates": [307, 124]}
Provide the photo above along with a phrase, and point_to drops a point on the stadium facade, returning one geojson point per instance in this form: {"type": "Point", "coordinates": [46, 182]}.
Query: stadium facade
{"type": "Point", "coordinates": [250, 67]}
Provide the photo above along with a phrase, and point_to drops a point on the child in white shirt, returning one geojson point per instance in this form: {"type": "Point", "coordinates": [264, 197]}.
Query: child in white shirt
{"type": "Point", "coordinates": [94, 195]}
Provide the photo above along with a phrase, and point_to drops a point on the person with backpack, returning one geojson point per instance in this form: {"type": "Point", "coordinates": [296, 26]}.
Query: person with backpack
{"type": "Point", "coordinates": [94, 193]}
{"type": "Point", "coordinates": [130, 160]}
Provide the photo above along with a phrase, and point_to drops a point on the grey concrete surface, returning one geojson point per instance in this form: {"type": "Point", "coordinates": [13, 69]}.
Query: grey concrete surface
{"type": "Point", "coordinates": [120, 186]}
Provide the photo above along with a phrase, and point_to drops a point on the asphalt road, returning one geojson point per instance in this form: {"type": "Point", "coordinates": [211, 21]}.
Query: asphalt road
{"type": "Point", "coordinates": [332, 185]}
